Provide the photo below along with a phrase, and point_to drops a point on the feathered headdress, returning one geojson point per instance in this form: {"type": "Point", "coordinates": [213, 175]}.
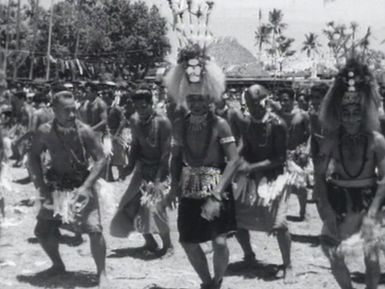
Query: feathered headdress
{"type": "Point", "coordinates": [195, 72]}
{"type": "Point", "coordinates": [354, 84]}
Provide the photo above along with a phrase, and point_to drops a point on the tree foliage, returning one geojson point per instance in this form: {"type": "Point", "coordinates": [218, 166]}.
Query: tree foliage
{"type": "Point", "coordinates": [311, 44]}
{"type": "Point", "coordinates": [129, 34]}
{"type": "Point", "coordinates": [272, 33]}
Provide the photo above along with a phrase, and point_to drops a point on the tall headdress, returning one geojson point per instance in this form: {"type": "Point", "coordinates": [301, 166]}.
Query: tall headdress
{"type": "Point", "coordinates": [195, 72]}
{"type": "Point", "coordinates": [354, 84]}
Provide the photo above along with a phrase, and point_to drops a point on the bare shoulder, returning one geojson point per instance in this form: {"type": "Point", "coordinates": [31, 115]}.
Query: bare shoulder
{"type": "Point", "coordinates": [43, 137]}
{"type": "Point", "coordinates": [235, 113]}
{"type": "Point", "coordinates": [300, 116]}
{"type": "Point", "coordinates": [221, 122]}
{"type": "Point", "coordinates": [305, 115]}
{"type": "Point", "coordinates": [378, 140]}
{"type": "Point", "coordinates": [45, 129]}
{"type": "Point", "coordinates": [161, 118]}
{"type": "Point", "coordinates": [134, 121]}
{"type": "Point", "coordinates": [222, 126]}
{"type": "Point", "coordinates": [163, 121]}
{"type": "Point", "coordinates": [329, 143]}
{"type": "Point", "coordinates": [277, 122]}
{"type": "Point", "coordinates": [101, 102]}
{"type": "Point", "coordinates": [84, 129]}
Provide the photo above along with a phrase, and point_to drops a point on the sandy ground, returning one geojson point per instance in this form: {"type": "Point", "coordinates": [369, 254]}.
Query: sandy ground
{"type": "Point", "coordinates": [21, 257]}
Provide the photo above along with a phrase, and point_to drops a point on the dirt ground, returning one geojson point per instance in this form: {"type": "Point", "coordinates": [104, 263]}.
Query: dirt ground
{"type": "Point", "coordinates": [21, 257]}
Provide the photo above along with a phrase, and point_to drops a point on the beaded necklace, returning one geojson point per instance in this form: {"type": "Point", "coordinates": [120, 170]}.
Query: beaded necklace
{"type": "Point", "coordinates": [62, 130]}
{"type": "Point", "coordinates": [354, 140]}
{"type": "Point", "coordinates": [152, 135]}
{"type": "Point", "coordinates": [187, 124]}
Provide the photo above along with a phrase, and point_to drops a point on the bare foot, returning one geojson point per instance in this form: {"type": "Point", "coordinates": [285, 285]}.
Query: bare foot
{"type": "Point", "coordinates": [166, 252]}
{"type": "Point", "coordinates": [152, 247]}
{"type": "Point", "coordinates": [103, 281]}
{"type": "Point", "coordinates": [249, 260]}
{"type": "Point", "coordinates": [52, 272]}
{"type": "Point", "coordinates": [217, 284]}
{"type": "Point", "coordinates": [288, 275]}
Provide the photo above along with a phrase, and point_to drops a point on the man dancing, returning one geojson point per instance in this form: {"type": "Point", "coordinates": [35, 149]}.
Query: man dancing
{"type": "Point", "coordinates": [351, 194]}
{"type": "Point", "coordinates": [70, 143]}
{"type": "Point", "coordinates": [203, 142]}
{"type": "Point", "coordinates": [264, 154]}
{"type": "Point", "coordinates": [297, 121]}
{"type": "Point", "coordinates": [142, 207]}
{"type": "Point", "coordinates": [317, 93]}
{"type": "Point", "coordinates": [94, 110]}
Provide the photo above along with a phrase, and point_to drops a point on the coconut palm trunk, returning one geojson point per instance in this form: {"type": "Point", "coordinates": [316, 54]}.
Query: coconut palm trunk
{"type": "Point", "coordinates": [15, 65]}
{"type": "Point", "coordinates": [49, 42]}
{"type": "Point", "coordinates": [36, 21]}
{"type": "Point", "coordinates": [7, 36]}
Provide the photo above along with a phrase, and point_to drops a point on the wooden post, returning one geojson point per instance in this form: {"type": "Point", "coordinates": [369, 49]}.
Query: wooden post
{"type": "Point", "coordinates": [15, 65]}
{"type": "Point", "coordinates": [35, 24]}
{"type": "Point", "coordinates": [49, 42]}
{"type": "Point", "coordinates": [7, 36]}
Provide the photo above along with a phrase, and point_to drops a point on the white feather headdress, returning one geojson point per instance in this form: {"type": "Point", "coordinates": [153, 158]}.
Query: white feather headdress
{"type": "Point", "coordinates": [195, 72]}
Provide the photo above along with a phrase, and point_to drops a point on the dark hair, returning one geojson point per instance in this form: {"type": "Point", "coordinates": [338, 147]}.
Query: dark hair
{"type": "Point", "coordinates": [321, 88]}
{"type": "Point", "coordinates": [287, 91]}
{"type": "Point", "coordinates": [61, 95]}
{"type": "Point", "coordinates": [21, 94]}
{"type": "Point", "coordinates": [304, 93]}
{"type": "Point", "coordinates": [142, 92]}
{"type": "Point", "coordinates": [58, 87]}
{"type": "Point", "coordinates": [93, 86]}
{"type": "Point", "coordinates": [40, 97]}
{"type": "Point", "coordinates": [257, 90]}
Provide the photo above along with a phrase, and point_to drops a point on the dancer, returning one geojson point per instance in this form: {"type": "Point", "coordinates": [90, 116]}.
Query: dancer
{"type": "Point", "coordinates": [203, 142]}
{"type": "Point", "coordinates": [69, 143]}
{"type": "Point", "coordinates": [317, 93]}
{"type": "Point", "coordinates": [232, 114]}
{"type": "Point", "coordinates": [261, 203]}
{"type": "Point", "coordinates": [352, 192]}
{"type": "Point", "coordinates": [142, 207]}
{"type": "Point", "coordinates": [297, 121]}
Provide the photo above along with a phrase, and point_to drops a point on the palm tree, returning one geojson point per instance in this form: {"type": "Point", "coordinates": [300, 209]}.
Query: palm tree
{"type": "Point", "coordinates": [276, 25]}
{"type": "Point", "coordinates": [275, 21]}
{"type": "Point", "coordinates": [284, 49]}
{"type": "Point", "coordinates": [338, 40]}
{"type": "Point", "coordinates": [310, 45]}
{"type": "Point", "coordinates": [262, 37]}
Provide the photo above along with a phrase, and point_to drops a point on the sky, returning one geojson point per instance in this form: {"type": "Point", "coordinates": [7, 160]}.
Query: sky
{"type": "Point", "coordinates": [239, 18]}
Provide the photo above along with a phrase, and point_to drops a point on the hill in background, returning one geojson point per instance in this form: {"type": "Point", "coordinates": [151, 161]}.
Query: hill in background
{"type": "Point", "coordinates": [235, 59]}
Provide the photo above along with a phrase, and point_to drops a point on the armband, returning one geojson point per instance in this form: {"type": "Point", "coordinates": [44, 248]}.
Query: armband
{"type": "Point", "coordinates": [227, 140]}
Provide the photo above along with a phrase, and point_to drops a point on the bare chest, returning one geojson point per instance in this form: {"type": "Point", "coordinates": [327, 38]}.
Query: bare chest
{"type": "Point", "coordinates": [354, 161]}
